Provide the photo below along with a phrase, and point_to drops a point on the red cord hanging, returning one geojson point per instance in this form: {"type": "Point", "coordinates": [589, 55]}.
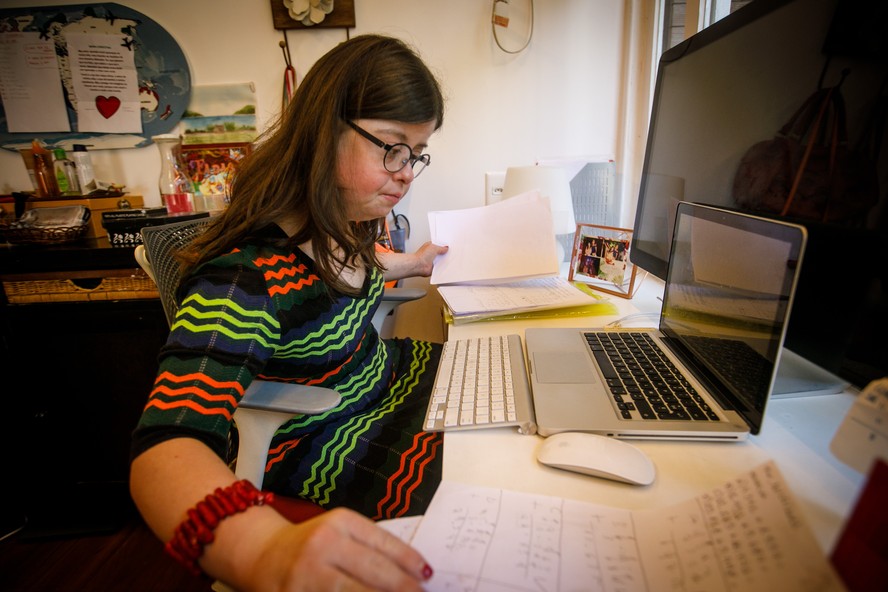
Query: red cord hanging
{"type": "Point", "coordinates": [289, 87]}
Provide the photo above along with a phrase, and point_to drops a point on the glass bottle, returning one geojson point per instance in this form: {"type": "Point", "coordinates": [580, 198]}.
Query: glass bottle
{"type": "Point", "coordinates": [176, 189]}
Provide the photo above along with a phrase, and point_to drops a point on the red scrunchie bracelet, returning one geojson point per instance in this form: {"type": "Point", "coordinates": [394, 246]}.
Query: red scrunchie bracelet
{"type": "Point", "coordinates": [196, 531]}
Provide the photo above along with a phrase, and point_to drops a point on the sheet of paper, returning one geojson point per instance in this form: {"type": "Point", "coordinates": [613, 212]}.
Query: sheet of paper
{"type": "Point", "coordinates": [403, 528]}
{"type": "Point", "coordinates": [509, 240]}
{"type": "Point", "coordinates": [103, 72]}
{"type": "Point", "coordinates": [748, 534]}
{"type": "Point", "coordinates": [526, 295]}
{"type": "Point", "coordinates": [30, 84]}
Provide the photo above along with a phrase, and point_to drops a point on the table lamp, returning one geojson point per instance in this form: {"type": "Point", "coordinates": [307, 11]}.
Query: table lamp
{"type": "Point", "coordinates": [551, 182]}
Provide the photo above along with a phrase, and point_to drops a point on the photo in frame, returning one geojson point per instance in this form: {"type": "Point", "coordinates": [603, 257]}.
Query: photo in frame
{"type": "Point", "coordinates": [600, 259]}
{"type": "Point", "coordinates": [212, 165]}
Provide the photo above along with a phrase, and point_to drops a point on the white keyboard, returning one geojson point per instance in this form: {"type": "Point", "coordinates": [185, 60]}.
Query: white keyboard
{"type": "Point", "coordinates": [481, 383]}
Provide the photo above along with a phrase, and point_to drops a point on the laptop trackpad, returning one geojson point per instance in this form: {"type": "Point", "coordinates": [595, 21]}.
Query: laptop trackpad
{"type": "Point", "coordinates": [563, 367]}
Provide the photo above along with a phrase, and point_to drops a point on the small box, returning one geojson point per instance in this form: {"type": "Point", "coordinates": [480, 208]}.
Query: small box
{"type": "Point", "coordinates": [126, 232]}
{"type": "Point", "coordinates": [111, 215]}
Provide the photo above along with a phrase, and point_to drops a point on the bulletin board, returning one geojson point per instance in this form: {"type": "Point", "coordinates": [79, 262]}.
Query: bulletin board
{"type": "Point", "coordinates": [162, 75]}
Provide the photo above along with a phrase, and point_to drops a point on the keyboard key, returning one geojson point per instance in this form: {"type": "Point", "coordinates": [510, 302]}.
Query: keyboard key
{"type": "Point", "coordinates": [635, 368]}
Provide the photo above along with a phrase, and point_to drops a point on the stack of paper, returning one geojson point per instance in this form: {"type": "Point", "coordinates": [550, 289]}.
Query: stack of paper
{"type": "Point", "coordinates": [475, 302]}
{"type": "Point", "coordinates": [501, 260]}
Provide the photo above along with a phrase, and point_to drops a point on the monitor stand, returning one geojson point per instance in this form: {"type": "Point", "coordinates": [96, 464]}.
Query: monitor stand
{"type": "Point", "coordinates": [797, 377]}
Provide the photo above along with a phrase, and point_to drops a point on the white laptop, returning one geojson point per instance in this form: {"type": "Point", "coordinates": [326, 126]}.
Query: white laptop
{"type": "Point", "coordinates": [726, 304]}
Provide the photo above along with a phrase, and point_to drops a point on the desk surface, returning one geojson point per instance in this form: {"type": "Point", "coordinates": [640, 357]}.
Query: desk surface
{"type": "Point", "coordinates": [796, 434]}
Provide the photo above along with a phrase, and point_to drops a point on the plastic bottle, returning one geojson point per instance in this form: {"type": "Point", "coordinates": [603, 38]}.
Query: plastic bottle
{"type": "Point", "coordinates": [176, 189]}
{"type": "Point", "coordinates": [85, 175]}
{"type": "Point", "coordinates": [66, 173]}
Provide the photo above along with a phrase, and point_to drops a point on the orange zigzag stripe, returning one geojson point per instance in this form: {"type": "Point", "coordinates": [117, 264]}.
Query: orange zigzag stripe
{"type": "Point", "coordinates": [289, 286]}
{"type": "Point", "coordinates": [274, 260]}
{"type": "Point", "coordinates": [277, 453]}
{"type": "Point", "coordinates": [201, 377]}
{"type": "Point", "coordinates": [159, 387]}
{"type": "Point", "coordinates": [193, 391]}
{"type": "Point", "coordinates": [163, 405]}
{"type": "Point", "coordinates": [416, 482]}
{"type": "Point", "coordinates": [420, 440]}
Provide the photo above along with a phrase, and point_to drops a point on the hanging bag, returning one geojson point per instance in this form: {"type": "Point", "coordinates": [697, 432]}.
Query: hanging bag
{"type": "Point", "coordinates": [807, 170]}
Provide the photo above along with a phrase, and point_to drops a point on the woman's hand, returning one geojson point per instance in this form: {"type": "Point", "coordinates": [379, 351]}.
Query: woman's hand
{"type": "Point", "coordinates": [338, 550]}
{"type": "Point", "coordinates": [259, 549]}
{"type": "Point", "coordinates": [419, 263]}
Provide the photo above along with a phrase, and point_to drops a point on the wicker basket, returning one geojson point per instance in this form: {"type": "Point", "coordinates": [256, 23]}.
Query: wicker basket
{"type": "Point", "coordinates": [44, 236]}
{"type": "Point", "coordinates": [109, 288]}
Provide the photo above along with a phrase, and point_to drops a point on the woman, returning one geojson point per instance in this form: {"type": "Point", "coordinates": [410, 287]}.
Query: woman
{"type": "Point", "coordinates": [283, 286]}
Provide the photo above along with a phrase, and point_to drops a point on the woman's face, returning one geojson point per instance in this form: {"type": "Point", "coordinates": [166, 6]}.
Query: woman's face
{"type": "Point", "coordinates": [369, 189]}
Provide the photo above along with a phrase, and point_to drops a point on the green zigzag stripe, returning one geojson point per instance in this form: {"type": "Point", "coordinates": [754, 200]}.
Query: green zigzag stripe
{"type": "Point", "coordinates": [328, 468]}
{"type": "Point", "coordinates": [350, 391]}
{"type": "Point", "coordinates": [332, 334]}
{"type": "Point", "coordinates": [193, 305]}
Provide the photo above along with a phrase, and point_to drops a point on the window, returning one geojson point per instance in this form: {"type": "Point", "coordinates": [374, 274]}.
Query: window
{"type": "Point", "coordinates": [702, 13]}
{"type": "Point", "coordinates": [652, 28]}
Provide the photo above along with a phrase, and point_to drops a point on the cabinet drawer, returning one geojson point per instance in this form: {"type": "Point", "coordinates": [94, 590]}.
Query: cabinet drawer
{"type": "Point", "coordinates": [117, 285]}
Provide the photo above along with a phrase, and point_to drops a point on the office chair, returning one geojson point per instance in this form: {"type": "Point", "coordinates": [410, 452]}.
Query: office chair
{"type": "Point", "coordinates": [265, 405]}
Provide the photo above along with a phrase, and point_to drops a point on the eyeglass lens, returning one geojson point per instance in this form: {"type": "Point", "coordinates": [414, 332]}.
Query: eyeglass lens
{"type": "Point", "coordinates": [399, 155]}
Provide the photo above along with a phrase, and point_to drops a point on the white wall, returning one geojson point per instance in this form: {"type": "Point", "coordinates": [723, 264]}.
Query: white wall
{"type": "Point", "coordinates": [559, 98]}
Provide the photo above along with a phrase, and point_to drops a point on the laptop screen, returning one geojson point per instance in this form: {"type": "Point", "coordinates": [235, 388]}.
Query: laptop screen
{"type": "Point", "coordinates": [727, 300]}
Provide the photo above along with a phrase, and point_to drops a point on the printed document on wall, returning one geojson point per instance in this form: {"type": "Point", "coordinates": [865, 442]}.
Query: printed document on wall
{"type": "Point", "coordinates": [30, 85]}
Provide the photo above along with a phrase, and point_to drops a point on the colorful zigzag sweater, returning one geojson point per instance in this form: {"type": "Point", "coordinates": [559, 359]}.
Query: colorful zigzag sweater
{"type": "Point", "coordinates": [261, 311]}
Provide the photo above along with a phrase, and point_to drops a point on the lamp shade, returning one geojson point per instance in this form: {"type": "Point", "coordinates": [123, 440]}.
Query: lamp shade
{"type": "Point", "coordinates": [551, 182]}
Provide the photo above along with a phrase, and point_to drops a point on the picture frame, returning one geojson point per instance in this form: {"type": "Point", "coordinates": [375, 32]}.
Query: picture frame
{"type": "Point", "coordinates": [600, 258]}
{"type": "Point", "coordinates": [211, 165]}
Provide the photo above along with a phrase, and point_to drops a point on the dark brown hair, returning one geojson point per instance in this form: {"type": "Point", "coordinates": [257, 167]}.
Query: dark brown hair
{"type": "Point", "coordinates": [293, 166]}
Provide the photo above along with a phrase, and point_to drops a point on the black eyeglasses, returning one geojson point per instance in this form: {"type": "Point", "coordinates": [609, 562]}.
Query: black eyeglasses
{"type": "Point", "coordinates": [396, 155]}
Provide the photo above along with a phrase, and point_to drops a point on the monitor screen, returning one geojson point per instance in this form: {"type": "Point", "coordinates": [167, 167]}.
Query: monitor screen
{"type": "Point", "coordinates": [721, 99]}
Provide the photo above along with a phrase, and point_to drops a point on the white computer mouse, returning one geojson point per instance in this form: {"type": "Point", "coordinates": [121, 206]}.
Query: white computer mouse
{"type": "Point", "coordinates": [598, 456]}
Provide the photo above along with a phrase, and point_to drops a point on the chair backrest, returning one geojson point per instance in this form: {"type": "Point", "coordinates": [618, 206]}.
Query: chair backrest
{"type": "Point", "coordinates": [161, 244]}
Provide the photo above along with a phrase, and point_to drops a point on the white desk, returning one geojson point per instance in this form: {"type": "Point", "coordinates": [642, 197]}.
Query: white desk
{"type": "Point", "coordinates": [796, 434]}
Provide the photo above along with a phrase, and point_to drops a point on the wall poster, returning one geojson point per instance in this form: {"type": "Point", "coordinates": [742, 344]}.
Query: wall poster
{"type": "Point", "coordinates": [121, 78]}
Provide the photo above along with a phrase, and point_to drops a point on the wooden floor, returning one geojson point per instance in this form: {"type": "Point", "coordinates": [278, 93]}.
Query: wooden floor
{"type": "Point", "coordinates": [130, 558]}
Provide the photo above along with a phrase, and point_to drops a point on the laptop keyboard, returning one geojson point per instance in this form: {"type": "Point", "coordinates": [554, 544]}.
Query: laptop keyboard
{"type": "Point", "coordinates": [481, 383]}
{"type": "Point", "coordinates": [643, 381]}
{"type": "Point", "coordinates": [739, 364]}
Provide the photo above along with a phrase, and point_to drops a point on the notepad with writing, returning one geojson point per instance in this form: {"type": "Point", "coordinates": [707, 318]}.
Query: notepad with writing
{"type": "Point", "coordinates": [748, 534]}
{"type": "Point", "coordinates": [501, 259]}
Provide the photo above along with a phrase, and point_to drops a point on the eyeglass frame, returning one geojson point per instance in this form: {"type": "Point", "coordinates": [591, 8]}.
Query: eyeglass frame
{"type": "Point", "coordinates": [425, 159]}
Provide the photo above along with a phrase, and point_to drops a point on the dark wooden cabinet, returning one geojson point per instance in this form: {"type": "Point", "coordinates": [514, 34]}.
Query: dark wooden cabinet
{"type": "Point", "coordinates": [80, 335]}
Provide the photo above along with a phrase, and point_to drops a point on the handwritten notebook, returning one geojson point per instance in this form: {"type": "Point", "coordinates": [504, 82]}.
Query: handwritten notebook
{"type": "Point", "coordinates": [748, 534]}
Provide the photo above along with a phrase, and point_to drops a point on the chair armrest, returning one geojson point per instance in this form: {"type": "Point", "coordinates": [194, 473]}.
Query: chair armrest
{"type": "Point", "coordinates": [265, 407]}
{"type": "Point", "coordinates": [403, 294]}
{"type": "Point", "coordinates": [289, 398]}
{"type": "Point", "coordinates": [142, 259]}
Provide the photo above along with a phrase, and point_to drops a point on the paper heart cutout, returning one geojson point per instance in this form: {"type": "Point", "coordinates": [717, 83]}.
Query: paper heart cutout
{"type": "Point", "coordinates": [107, 106]}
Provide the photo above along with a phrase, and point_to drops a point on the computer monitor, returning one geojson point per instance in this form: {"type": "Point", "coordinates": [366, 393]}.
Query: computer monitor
{"type": "Point", "coordinates": [737, 83]}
